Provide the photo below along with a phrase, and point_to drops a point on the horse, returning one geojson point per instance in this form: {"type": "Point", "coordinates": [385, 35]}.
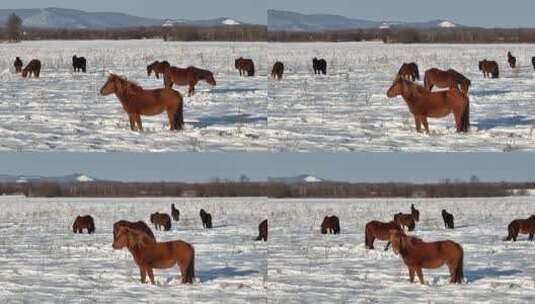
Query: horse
{"type": "Point", "coordinates": [262, 231]}
{"type": "Point", "coordinates": [446, 79]}
{"type": "Point", "coordinates": [245, 66]}
{"type": "Point", "coordinates": [175, 213]}
{"type": "Point", "coordinates": [159, 67]}
{"type": "Point", "coordinates": [524, 226]}
{"type": "Point", "coordinates": [423, 103]}
{"type": "Point", "coordinates": [379, 230]}
{"type": "Point", "coordinates": [137, 101]}
{"type": "Point", "coordinates": [18, 65]}
{"type": "Point", "coordinates": [83, 222]}
{"type": "Point", "coordinates": [331, 225]}
{"type": "Point", "coordinates": [489, 68]}
{"type": "Point", "coordinates": [33, 67]}
{"type": "Point", "coordinates": [79, 64]}
{"type": "Point", "coordinates": [206, 219]}
{"type": "Point", "coordinates": [149, 254]}
{"type": "Point", "coordinates": [319, 66]}
{"type": "Point", "coordinates": [448, 219]}
{"type": "Point", "coordinates": [161, 220]}
{"type": "Point", "coordinates": [409, 71]}
{"type": "Point", "coordinates": [417, 254]}
{"type": "Point", "coordinates": [511, 60]}
{"type": "Point", "coordinates": [277, 71]}
{"type": "Point", "coordinates": [139, 226]}
{"type": "Point", "coordinates": [405, 220]}
{"type": "Point", "coordinates": [189, 76]}
{"type": "Point", "coordinates": [415, 213]}
{"type": "Point", "coordinates": [533, 62]}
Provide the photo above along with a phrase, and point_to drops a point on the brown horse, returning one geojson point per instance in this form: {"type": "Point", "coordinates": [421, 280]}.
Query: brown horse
{"type": "Point", "coordinates": [489, 68]}
{"type": "Point", "coordinates": [277, 71]}
{"type": "Point", "coordinates": [189, 76]}
{"type": "Point", "coordinates": [33, 67]}
{"type": "Point", "coordinates": [83, 222]}
{"type": "Point", "coordinates": [423, 104]}
{"type": "Point", "coordinates": [409, 71]}
{"type": "Point", "coordinates": [139, 226]}
{"type": "Point", "coordinates": [206, 219]}
{"type": "Point", "coordinates": [161, 220]}
{"type": "Point", "coordinates": [245, 66]}
{"type": "Point", "coordinates": [137, 101]}
{"type": "Point", "coordinates": [448, 219]}
{"type": "Point", "coordinates": [511, 60]}
{"type": "Point", "coordinates": [379, 230]}
{"type": "Point", "coordinates": [149, 254]}
{"type": "Point", "coordinates": [446, 79]}
{"type": "Point", "coordinates": [415, 213]}
{"type": "Point", "coordinates": [158, 67]}
{"type": "Point", "coordinates": [175, 213]}
{"type": "Point", "coordinates": [417, 254]}
{"type": "Point", "coordinates": [263, 231]}
{"type": "Point", "coordinates": [18, 65]}
{"type": "Point", "coordinates": [331, 225]}
{"type": "Point", "coordinates": [524, 226]}
{"type": "Point", "coordinates": [405, 220]}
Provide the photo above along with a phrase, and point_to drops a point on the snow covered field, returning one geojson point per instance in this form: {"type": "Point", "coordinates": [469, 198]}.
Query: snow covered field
{"type": "Point", "coordinates": [41, 260]}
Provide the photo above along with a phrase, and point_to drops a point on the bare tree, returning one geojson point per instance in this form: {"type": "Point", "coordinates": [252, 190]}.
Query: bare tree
{"type": "Point", "coordinates": [14, 28]}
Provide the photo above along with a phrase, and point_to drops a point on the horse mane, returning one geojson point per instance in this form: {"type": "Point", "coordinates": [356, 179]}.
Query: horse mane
{"type": "Point", "coordinates": [129, 84]}
{"type": "Point", "coordinates": [138, 238]}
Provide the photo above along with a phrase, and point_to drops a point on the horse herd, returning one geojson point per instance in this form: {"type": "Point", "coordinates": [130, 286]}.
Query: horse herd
{"type": "Point", "coordinates": [150, 254]}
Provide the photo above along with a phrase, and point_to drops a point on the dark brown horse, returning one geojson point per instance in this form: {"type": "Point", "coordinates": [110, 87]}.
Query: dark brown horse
{"type": "Point", "coordinates": [33, 67]}
{"type": "Point", "coordinates": [448, 219]}
{"type": "Point", "coordinates": [18, 65]}
{"type": "Point", "coordinates": [139, 226]}
{"type": "Point", "coordinates": [149, 254]}
{"type": "Point", "coordinates": [489, 68]}
{"type": "Point", "coordinates": [409, 71]}
{"type": "Point", "coordinates": [423, 104]}
{"type": "Point", "coordinates": [379, 230]}
{"type": "Point", "coordinates": [446, 79]}
{"type": "Point", "coordinates": [245, 66]}
{"type": "Point", "coordinates": [187, 77]}
{"type": "Point", "coordinates": [263, 231]}
{"type": "Point", "coordinates": [417, 255]}
{"type": "Point", "coordinates": [524, 226]}
{"type": "Point", "coordinates": [137, 101]}
{"type": "Point", "coordinates": [175, 213]}
{"type": "Point", "coordinates": [511, 60]}
{"type": "Point", "coordinates": [277, 71]}
{"type": "Point", "coordinates": [160, 220]}
{"type": "Point", "coordinates": [206, 219]}
{"type": "Point", "coordinates": [158, 67]}
{"type": "Point", "coordinates": [405, 220]}
{"type": "Point", "coordinates": [79, 64]}
{"type": "Point", "coordinates": [415, 213]}
{"type": "Point", "coordinates": [83, 222]}
{"type": "Point", "coordinates": [533, 62]}
{"type": "Point", "coordinates": [331, 225]}
{"type": "Point", "coordinates": [319, 66]}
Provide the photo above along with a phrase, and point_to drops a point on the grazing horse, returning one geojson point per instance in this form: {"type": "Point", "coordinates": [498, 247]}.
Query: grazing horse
{"type": "Point", "coordinates": [206, 219]}
{"type": "Point", "coordinates": [189, 76]}
{"type": "Point", "coordinates": [489, 68]}
{"type": "Point", "coordinates": [379, 230]}
{"type": "Point", "coordinates": [33, 67]}
{"type": "Point", "coordinates": [511, 60]}
{"type": "Point", "coordinates": [524, 226]}
{"type": "Point", "coordinates": [83, 222]}
{"type": "Point", "coordinates": [245, 66]}
{"type": "Point", "coordinates": [415, 213]}
{"type": "Point", "coordinates": [423, 104]}
{"type": "Point", "coordinates": [137, 101]}
{"type": "Point", "coordinates": [533, 62]}
{"type": "Point", "coordinates": [159, 67]}
{"type": "Point", "coordinates": [448, 219]}
{"type": "Point", "coordinates": [161, 220]}
{"type": "Point", "coordinates": [18, 65]}
{"type": "Point", "coordinates": [446, 79]}
{"type": "Point", "coordinates": [319, 66]}
{"type": "Point", "coordinates": [79, 64]}
{"type": "Point", "coordinates": [405, 220]}
{"type": "Point", "coordinates": [417, 254]}
{"type": "Point", "coordinates": [139, 226]}
{"type": "Point", "coordinates": [409, 71]}
{"type": "Point", "coordinates": [330, 224]}
{"type": "Point", "coordinates": [263, 231]}
{"type": "Point", "coordinates": [149, 254]}
{"type": "Point", "coordinates": [175, 213]}
{"type": "Point", "coordinates": [277, 71]}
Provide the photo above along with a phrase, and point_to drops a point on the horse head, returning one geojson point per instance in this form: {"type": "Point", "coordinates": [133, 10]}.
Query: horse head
{"type": "Point", "coordinates": [209, 77]}
{"type": "Point", "coordinates": [397, 87]}
{"type": "Point", "coordinates": [110, 86]}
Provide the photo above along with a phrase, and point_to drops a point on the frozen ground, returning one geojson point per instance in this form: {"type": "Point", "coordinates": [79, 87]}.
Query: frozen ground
{"type": "Point", "coordinates": [42, 261]}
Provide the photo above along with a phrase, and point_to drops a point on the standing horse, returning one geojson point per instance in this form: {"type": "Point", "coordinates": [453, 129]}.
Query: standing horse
{"type": "Point", "coordinates": [446, 79]}
{"type": "Point", "coordinates": [79, 64]}
{"type": "Point", "coordinates": [415, 213]}
{"type": "Point", "coordinates": [139, 226]}
{"type": "Point", "coordinates": [189, 76]}
{"type": "Point", "coordinates": [137, 101]}
{"type": "Point", "coordinates": [158, 67]}
{"type": "Point", "coordinates": [33, 67]}
{"type": "Point", "coordinates": [149, 254]}
{"type": "Point", "coordinates": [417, 254]}
{"type": "Point", "coordinates": [175, 213]}
{"type": "Point", "coordinates": [18, 65]}
{"type": "Point", "coordinates": [161, 220]}
{"type": "Point", "coordinates": [277, 71]}
{"type": "Point", "coordinates": [319, 66]}
{"type": "Point", "coordinates": [524, 226]}
{"type": "Point", "coordinates": [423, 104]}
{"type": "Point", "coordinates": [83, 222]}
{"type": "Point", "coordinates": [448, 219]}
{"type": "Point", "coordinates": [409, 71]}
{"type": "Point", "coordinates": [245, 66]}
{"type": "Point", "coordinates": [533, 62]}
{"type": "Point", "coordinates": [263, 231]}
{"type": "Point", "coordinates": [379, 230]}
{"type": "Point", "coordinates": [405, 220]}
{"type": "Point", "coordinates": [331, 225]}
{"type": "Point", "coordinates": [511, 60]}
{"type": "Point", "coordinates": [489, 68]}
{"type": "Point", "coordinates": [206, 219]}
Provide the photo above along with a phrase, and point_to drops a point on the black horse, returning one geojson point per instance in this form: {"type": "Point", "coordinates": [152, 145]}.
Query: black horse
{"type": "Point", "coordinates": [18, 65]}
{"type": "Point", "coordinates": [448, 219]}
{"type": "Point", "coordinates": [319, 66]}
{"type": "Point", "coordinates": [533, 62]}
{"type": "Point", "coordinates": [79, 64]}
{"type": "Point", "coordinates": [263, 231]}
{"type": "Point", "coordinates": [206, 219]}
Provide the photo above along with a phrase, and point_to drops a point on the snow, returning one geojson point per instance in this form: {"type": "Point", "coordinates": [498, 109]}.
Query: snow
{"type": "Point", "coordinates": [84, 178]}
{"type": "Point", "coordinates": [447, 24]}
{"type": "Point", "coordinates": [230, 22]}
{"type": "Point", "coordinates": [41, 260]}
{"type": "Point", "coordinates": [312, 179]}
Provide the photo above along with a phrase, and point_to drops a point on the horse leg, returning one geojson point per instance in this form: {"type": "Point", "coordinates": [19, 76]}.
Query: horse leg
{"type": "Point", "coordinates": [171, 117]}
{"type": "Point", "coordinates": [183, 271]}
{"type": "Point", "coordinates": [139, 124]}
{"type": "Point", "coordinates": [531, 236]}
{"type": "Point", "coordinates": [151, 275]}
{"type": "Point", "coordinates": [132, 122]}
{"type": "Point", "coordinates": [418, 124]}
{"type": "Point", "coordinates": [191, 90]}
{"type": "Point", "coordinates": [423, 119]}
{"type": "Point", "coordinates": [143, 274]}
{"type": "Point", "coordinates": [411, 274]}
{"type": "Point", "coordinates": [420, 275]}
{"type": "Point", "coordinates": [387, 245]}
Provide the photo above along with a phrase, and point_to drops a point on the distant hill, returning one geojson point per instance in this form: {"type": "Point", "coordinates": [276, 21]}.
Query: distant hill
{"type": "Point", "coordinates": [72, 178]}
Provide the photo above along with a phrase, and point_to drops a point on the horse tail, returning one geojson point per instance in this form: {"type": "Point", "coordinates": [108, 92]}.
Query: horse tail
{"type": "Point", "coordinates": [417, 72]}
{"type": "Point", "coordinates": [179, 116]}
{"type": "Point", "coordinates": [251, 70]}
{"type": "Point", "coordinates": [511, 232]}
{"type": "Point", "coordinates": [190, 271]}
{"type": "Point", "coordinates": [465, 119]}
{"type": "Point", "coordinates": [91, 227]}
{"type": "Point", "coordinates": [496, 73]}
{"type": "Point", "coordinates": [458, 272]}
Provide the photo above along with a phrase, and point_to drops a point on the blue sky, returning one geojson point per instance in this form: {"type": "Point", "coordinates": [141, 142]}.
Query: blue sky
{"type": "Point", "coordinates": [354, 167]}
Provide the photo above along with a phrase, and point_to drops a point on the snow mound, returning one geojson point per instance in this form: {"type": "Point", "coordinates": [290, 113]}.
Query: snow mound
{"type": "Point", "coordinates": [230, 22]}
{"type": "Point", "coordinates": [84, 178]}
{"type": "Point", "coordinates": [447, 24]}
